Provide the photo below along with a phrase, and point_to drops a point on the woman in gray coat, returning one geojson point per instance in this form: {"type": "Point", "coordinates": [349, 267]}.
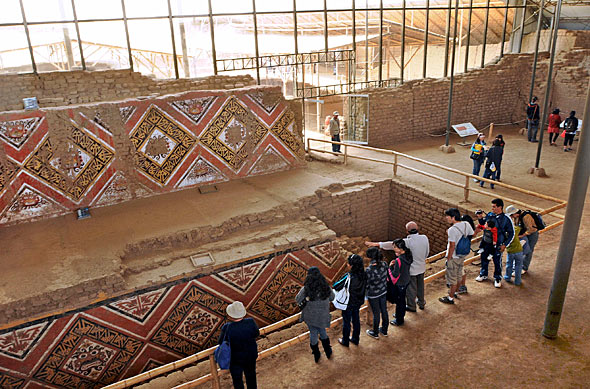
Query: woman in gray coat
{"type": "Point", "coordinates": [317, 294]}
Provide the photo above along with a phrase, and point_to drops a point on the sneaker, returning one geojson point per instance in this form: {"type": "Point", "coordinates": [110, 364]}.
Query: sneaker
{"type": "Point", "coordinates": [565, 150]}
{"type": "Point", "coordinates": [508, 279]}
{"type": "Point", "coordinates": [462, 289]}
{"type": "Point", "coordinates": [382, 332]}
{"type": "Point", "coordinates": [373, 334]}
{"type": "Point", "coordinates": [512, 274]}
{"type": "Point", "coordinates": [480, 251]}
{"type": "Point", "coordinates": [409, 309]}
{"type": "Point", "coordinates": [446, 300]}
{"type": "Point", "coordinates": [475, 180]}
{"type": "Point", "coordinates": [524, 272]}
{"type": "Point", "coordinates": [481, 278]}
{"type": "Point", "coordinates": [456, 296]}
{"type": "Point", "coordinates": [498, 283]}
{"type": "Point", "coordinates": [394, 322]}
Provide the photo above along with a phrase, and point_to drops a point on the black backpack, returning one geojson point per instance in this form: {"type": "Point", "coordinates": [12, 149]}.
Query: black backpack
{"type": "Point", "coordinates": [569, 125]}
{"type": "Point", "coordinates": [488, 236]}
{"type": "Point", "coordinates": [539, 223]}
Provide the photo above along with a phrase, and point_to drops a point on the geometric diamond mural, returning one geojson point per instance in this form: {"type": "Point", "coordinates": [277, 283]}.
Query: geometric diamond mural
{"type": "Point", "coordinates": [19, 342]}
{"type": "Point", "coordinates": [16, 132]}
{"type": "Point", "coordinates": [201, 172]}
{"type": "Point", "coordinates": [161, 143]}
{"type": "Point", "coordinates": [194, 109]}
{"type": "Point", "coordinates": [139, 307]}
{"type": "Point", "coordinates": [270, 161]}
{"type": "Point", "coordinates": [243, 276]}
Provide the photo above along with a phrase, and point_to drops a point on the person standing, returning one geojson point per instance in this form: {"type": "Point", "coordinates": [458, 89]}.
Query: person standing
{"type": "Point", "coordinates": [553, 126]}
{"type": "Point", "coordinates": [505, 235]}
{"type": "Point", "coordinates": [500, 138]}
{"type": "Point", "coordinates": [316, 312]}
{"type": "Point", "coordinates": [494, 159]}
{"type": "Point", "coordinates": [357, 291]}
{"type": "Point", "coordinates": [532, 120]}
{"type": "Point", "coordinates": [400, 277]}
{"type": "Point", "coordinates": [478, 154]}
{"type": "Point", "coordinates": [514, 251]}
{"type": "Point", "coordinates": [334, 129]}
{"type": "Point", "coordinates": [570, 128]}
{"type": "Point", "coordinates": [376, 292]}
{"type": "Point", "coordinates": [241, 333]}
{"type": "Point", "coordinates": [454, 261]}
{"type": "Point", "coordinates": [528, 231]}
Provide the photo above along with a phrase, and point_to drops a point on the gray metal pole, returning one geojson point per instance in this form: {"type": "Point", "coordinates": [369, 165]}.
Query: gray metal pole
{"type": "Point", "coordinates": [82, 60]}
{"type": "Point", "coordinates": [295, 86]}
{"type": "Point", "coordinates": [504, 29]}
{"type": "Point", "coordinates": [450, 107]}
{"type": "Point", "coordinates": [26, 26]}
{"type": "Point", "coordinates": [571, 226]}
{"type": "Point", "coordinates": [548, 86]}
{"type": "Point", "coordinates": [381, 42]}
{"type": "Point", "coordinates": [325, 29]}
{"type": "Point", "coordinates": [127, 34]}
{"type": "Point", "coordinates": [447, 34]}
{"type": "Point", "coordinates": [551, 27]}
{"type": "Point", "coordinates": [521, 27]}
{"type": "Point", "coordinates": [174, 57]}
{"type": "Point", "coordinates": [256, 51]}
{"type": "Point", "coordinates": [403, 49]}
{"type": "Point", "coordinates": [485, 35]}
{"type": "Point", "coordinates": [366, 40]}
{"type": "Point", "coordinates": [425, 39]}
{"type": "Point", "coordinates": [537, 38]}
{"type": "Point", "coordinates": [468, 36]}
{"type": "Point", "coordinates": [212, 30]}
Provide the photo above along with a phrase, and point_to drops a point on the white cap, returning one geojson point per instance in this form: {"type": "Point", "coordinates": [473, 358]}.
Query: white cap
{"type": "Point", "coordinates": [336, 113]}
{"type": "Point", "coordinates": [236, 310]}
{"type": "Point", "coordinates": [510, 210]}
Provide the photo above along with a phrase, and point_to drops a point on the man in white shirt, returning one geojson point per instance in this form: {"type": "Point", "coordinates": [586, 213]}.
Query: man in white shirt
{"type": "Point", "coordinates": [420, 247]}
{"type": "Point", "coordinates": [454, 264]}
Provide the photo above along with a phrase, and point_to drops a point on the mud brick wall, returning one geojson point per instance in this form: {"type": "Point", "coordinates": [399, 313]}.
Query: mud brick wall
{"type": "Point", "coordinates": [407, 203]}
{"type": "Point", "coordinates": [74, 87]}
{"type": "Point", "coordinates": [419, 108]}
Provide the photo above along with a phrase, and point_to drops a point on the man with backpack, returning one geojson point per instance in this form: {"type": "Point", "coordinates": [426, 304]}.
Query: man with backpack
{"type": "Point", "coordinates": [532, 120]}
{"type": "Point", "coordinates": [571, 126]}
{"type": "Point", "coordinates": [458, 246]}
{"type": "Point", "coordinates": [505, 235]}
{"type": "Point", "coordinates": [530, 223]}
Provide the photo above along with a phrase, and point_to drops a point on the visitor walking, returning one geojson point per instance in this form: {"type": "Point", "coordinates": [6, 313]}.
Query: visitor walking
{"type": "Point", "coordinates": [357, 290]}
{"type": "Point", "coordinates": [334, 129]}
{"type": "Point", "coordinates": [454, 260]}
{"type": "Point", "coordinates": [241, 333]}
{"type": "Point", "coordinates": [532, 119]}
{"type": "Point", "coordinates": [553, 126]}
{"type": "Point", "coordinates": [376, 292]}
{"type": "Point", "coordinates": [500, 139]}
{"type": "Point", "coordinates": [570, 127]}
{"type": "Point", "coordinates": [400, 278]}
{"type": "Point", "coordinates": [317, 294]}
{"type": "Point", "coordinates": [478, 154]}
{"type": "Point", "coordinates": [494, 159]}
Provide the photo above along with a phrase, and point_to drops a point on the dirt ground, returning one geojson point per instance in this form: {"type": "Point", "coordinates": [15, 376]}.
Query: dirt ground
{"type": "Point", "coordinates": [490, 337]}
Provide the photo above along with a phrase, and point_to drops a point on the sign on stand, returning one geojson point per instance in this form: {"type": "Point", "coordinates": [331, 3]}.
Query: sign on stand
{"type": "Point", "coordinates": [463, 130]}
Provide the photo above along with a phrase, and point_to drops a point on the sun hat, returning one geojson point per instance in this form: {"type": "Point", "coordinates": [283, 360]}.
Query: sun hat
{"type": "Point", "coordinates": [336, 113]}
{"type": "Point", "coordinates": [236, 310]}
{"type": "Point", "coordinates": [510, 210]}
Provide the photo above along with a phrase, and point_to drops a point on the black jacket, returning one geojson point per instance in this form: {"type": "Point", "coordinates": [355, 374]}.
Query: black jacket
{"type": "Point", "coordinates": [404, 272]}
{"type": "Point", "coordinates": [242, 340]}
{"type": "Point", "coordinates": [532, 111]}
{"type": "Point", "coordinates": [356, 290]}
{"type": "Point", "coordinates": [574, 125]}
{"type": "Point", "coordinates": [494, 155]}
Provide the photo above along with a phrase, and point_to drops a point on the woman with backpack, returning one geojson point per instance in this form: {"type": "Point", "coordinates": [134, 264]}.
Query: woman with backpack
{"type": "Point", "coordinates": [553, 126]}
{"type": "Point", "coordinates": [478, 154]}
{"type": "Point", "coordinates": [570, 127]}
{"type": "Point", "coordinates": [317, 294]}
{"type": "Point", "coordinates": [357, 288]}
{"type": "Point", "coordinates": [376, 291]}
{"type": "Point", "coordinates": [399, 276]}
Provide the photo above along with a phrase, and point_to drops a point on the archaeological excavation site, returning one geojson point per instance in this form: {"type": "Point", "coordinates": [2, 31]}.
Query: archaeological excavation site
{"type": "Point", "coordinates": [160, 162]}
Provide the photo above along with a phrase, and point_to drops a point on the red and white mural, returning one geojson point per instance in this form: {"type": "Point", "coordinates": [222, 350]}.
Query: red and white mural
{"type": "Point", "coordinates": [154, 146]}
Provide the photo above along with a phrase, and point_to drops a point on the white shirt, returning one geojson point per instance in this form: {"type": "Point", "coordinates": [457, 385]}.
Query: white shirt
{"type": "Point", "coordinates": [455, 232]}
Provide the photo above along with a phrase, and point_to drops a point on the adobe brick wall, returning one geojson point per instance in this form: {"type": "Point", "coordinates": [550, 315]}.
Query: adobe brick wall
{"type": "Point", "coordinates": [74, 87]}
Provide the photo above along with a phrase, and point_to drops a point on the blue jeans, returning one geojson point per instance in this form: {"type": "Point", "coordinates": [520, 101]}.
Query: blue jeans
{"type": "Point", "coordinates": [351, 314]}
{"type": "Point", "coordinates": [532, 238]}
{"type": "Point", "coordinates": [514, 261]}
{"type": "Point", "coordinates": [314, 332]}
{"type": "Point", "coordinates": [532, 128]}
{"type": "Point", "coordinates": [336, 138]}
{"type": "Point", "coordinates": [489, 174]}
{"type": "Point", "coordinates": [477, 166]}
{"type": "Point", "coordinates": [379, 308]}
{"type": "Point", "coordinates": [497, 258]}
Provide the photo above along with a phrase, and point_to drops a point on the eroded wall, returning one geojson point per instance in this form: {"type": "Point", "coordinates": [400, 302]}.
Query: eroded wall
{"type": "Point", "coordinates": [56, 160]}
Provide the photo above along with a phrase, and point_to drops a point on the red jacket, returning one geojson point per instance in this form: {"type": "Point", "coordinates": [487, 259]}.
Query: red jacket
{"type": "Point", "coordinates": [554, 121]}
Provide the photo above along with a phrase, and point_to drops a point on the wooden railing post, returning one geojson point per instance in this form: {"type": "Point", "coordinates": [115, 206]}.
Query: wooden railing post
{"type": "Point", "coordinates": [345, 154]}
{"type": "Point", "coordinates": [395, 165]}
{"type": "Point", "coordinates": [215, 377]}
{"type": "Point", "coordinates": [466, 189]}
{"type": "Point", "coordinates": [308, 145]}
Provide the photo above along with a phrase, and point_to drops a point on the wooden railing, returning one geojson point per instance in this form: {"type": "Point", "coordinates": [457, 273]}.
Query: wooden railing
{"type": "Point", "coordinates": [208, 353]}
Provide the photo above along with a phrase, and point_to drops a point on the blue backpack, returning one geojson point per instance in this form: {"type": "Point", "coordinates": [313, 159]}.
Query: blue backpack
{"type": "Point", "coordinates": [463, 246]}
{"type": "Point", "coordinates": [223, 352]}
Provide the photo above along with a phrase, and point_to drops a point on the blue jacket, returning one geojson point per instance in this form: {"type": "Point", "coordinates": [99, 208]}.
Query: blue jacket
{"type": "Point", "coordinates": [505, 228]}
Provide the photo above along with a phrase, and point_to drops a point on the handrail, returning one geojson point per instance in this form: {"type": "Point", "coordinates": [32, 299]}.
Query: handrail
{"type": "Point", "coordinates": [208, 353]}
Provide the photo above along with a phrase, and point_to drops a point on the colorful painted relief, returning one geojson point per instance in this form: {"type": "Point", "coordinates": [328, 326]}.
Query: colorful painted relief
{"type": "Point", "coordinates": [119, 338]}
{"type": "Point", "coordinates": [151, 147]}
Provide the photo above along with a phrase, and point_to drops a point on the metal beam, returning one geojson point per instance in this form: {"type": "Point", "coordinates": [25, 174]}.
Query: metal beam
{"type": "Point", "coordinates": [485, 34]}
{"type": "Point", "coordinates": [447, 34]}
{"type": "Point", "coordinates": [127, 34]}
{"type": "Point", "coordinates": [380, 41]}
{"type": "Point", "coordinates": [468, 35]}
{"type": "Point", "coordinates": [212, 30]}
{"type": "Point", "coordinates": [26, 26]}
{"type": "Point", "coordinates": [325, 27]}
{"type": "Point", "coordinates": [535, 58]}
{"type": "Point", "coordinates": [426, 38]}
{"type": "Point", "coordinates": [173, 39]}
{"type": "Point", "coordinates": [256, 52]}
{"type": "Point", "coordinates": [403, 48]}
{"type": "Point", "coordinates": [504, 29]}
{"type": "Point", "coordinates": [450, 104]}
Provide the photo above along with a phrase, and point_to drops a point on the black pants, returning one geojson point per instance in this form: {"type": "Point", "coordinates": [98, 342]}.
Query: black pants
{"type": "Point", "coordinates": [248, 368]}
{"type": "Point", "coordinates": [553, 137]}
{"type": "Point", "coordinates": [379, 308]}
{"type": "Point", "coordinates": [569, 139]}
{"type": "Point", "coordinates": [400, 303]}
